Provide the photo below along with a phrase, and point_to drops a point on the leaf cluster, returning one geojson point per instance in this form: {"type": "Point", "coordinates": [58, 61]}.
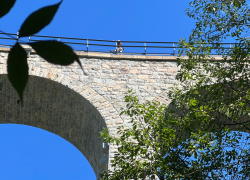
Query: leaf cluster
{"type": "Point", "coordinates": [52, 51]}
{"type": "Point", "coordinates": [217, 88]}
{"type": "Point", "coordinates": [218, 19]}
{"type": "Point", "coordinates": [157, 145]}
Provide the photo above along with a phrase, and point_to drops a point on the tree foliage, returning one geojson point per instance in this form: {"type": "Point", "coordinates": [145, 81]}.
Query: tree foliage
{"type": "Point", "coordinates": [222, 86]}
{"type": "Point", "coordinates": [5, 7]}
{"type": "Point", "coordinates": [199, 135]}
{"type": "Point", "coordinates": [156, 146]}
{"type": "Point", "coordinates": [52, 51]}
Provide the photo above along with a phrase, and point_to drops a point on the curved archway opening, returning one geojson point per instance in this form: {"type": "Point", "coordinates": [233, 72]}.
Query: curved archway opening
{"type": "Point", "coordinates": [32, 153]}
{"type": "Point", "coordinates": [60, 110]}
{"type": "Point", "coordinates": [215, 106]}
{"type": "Point", "coordinates": [209, 112]}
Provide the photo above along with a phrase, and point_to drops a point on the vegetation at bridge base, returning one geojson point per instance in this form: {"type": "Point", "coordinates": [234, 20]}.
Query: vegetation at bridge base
{"type": "Point", "coordinates": [52, 51]}
{"type": "Point", "coordinates": [162, 143]}
{"type": "Point", "coordinates": [199, 135]}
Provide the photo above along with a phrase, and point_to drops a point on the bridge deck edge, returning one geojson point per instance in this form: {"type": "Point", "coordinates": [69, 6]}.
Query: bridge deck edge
{"type": "Point", "coordinates": [120, 57]}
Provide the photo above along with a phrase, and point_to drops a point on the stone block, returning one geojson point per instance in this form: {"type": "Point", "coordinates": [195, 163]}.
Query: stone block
{"type": "Point", "coordinates": [134, 72]}
{"type": "Point", "coordinates": [143, 76]}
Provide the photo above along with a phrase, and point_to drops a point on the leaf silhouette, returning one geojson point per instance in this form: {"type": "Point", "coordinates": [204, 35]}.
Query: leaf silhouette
{"type": "Point", "coordinates": [55, 52]}
{"type": "Point", "coordinates": [38, 20]}
{"type": "Point", "coordinates": [5, 6]}
{"type": "Point", "coordinates": [18, 69]}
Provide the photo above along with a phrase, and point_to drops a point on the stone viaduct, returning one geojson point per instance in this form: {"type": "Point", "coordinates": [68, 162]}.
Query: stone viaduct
{"type": "Point", "coordinates": [76, 107]}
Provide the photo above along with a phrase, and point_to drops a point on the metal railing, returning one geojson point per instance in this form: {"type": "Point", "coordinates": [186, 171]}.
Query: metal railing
{"type": "Point", "coordinates": [104, 46]}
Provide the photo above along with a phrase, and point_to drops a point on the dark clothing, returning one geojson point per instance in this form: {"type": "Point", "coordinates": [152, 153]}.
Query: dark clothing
{"type": "Point", "coordinates": [118, 48]}
{"type": "Point", "coordinates": [119, 43]}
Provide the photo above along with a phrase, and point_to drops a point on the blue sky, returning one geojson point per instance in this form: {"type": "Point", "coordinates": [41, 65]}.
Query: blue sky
{"type": "Point", "coordinates": [160, 20]}
{"type": "Point", "coordinates": [30, 153]}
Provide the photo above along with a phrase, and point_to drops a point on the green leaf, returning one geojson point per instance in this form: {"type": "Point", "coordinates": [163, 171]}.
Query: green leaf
{"type": "Point", "coordinates": [38, 20]}
{"type": "Point", "coordinates": [5, 6]}
{"type": "Point", "coordinates": [18, 69]}
{"type": "Point", "coordinates": [55, 52]}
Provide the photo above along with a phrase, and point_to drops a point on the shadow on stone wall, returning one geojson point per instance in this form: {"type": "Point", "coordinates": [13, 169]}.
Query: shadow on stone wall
{"type": "Point", "coordinates": [220, 98]}
{"type": "Point", "coordinates": [58, 109]}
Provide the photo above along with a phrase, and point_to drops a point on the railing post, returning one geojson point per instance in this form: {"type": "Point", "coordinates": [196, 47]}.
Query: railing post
{"type": "Point", "coordinates": [29, 39]}
{"type": "Point", "coordinates": [87, 45]}
{"type": "Point", "coordinates": [116, 47]}
{"type": "Point", "coordinates": [58, 39]}
{"type": "Point", "coordinates": [174, 49]}
{"type": "Point", "coordinates": [145, 49]}
{"type": "Point", "coordinates": [17, 35]}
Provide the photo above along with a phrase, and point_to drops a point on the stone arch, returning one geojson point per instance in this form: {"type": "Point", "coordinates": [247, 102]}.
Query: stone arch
{"type": "Point", "coordinates": [108, 112]}
{"type": "Point", "coordinates": [63, 106]}
{"type": "Point", "coordinates": [105, 108]}
{"type": "Point", "coordinates": [244, 119]}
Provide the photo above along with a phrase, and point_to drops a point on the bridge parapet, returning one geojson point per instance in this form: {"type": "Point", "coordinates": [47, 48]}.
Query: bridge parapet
{"type": "Point", "coordinates": [138, 48]}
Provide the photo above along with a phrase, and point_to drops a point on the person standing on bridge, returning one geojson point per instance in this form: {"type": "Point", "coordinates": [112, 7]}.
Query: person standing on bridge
{"type": "Point", "coordinates": [119, 47]}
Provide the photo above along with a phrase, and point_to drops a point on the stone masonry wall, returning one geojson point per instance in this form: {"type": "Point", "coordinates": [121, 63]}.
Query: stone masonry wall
{"type": "Point", "coordinates": [111, 78]}
{"type": "Point", "coordinates": [108, 78]}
